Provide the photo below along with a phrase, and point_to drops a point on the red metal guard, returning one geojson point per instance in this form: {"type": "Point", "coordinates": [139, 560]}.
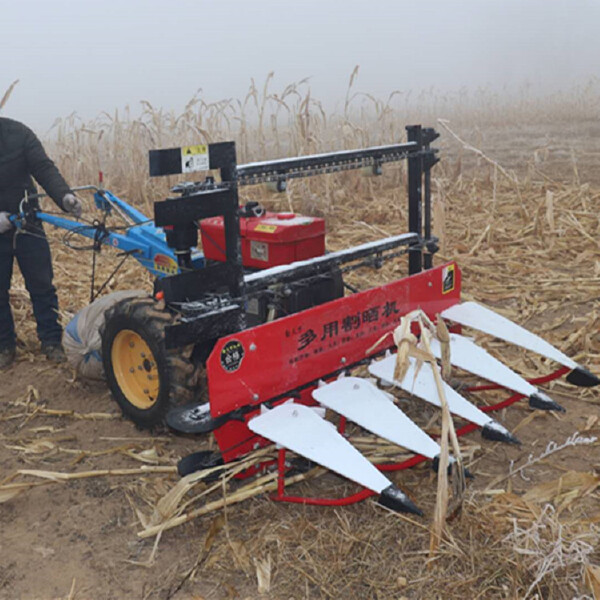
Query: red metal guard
{"type": "Point", "coordinates": [265, 362]}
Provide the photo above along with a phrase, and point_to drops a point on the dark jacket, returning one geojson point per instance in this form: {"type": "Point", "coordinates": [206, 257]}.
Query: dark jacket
{"type": "Point", "coordinates": [21, 157]}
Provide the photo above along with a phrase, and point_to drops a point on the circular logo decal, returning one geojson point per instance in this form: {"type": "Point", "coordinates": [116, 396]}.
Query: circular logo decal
{"type": "Point", "coordinates": [232, 355]}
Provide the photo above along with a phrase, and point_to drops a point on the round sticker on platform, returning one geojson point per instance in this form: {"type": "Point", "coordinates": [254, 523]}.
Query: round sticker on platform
{"type": "Point", "coordinates": [232, 355]}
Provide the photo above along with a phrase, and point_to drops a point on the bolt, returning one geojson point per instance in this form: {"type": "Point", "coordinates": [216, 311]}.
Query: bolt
{"type": "Point", "coordinates": [143, 355]}
{"type": "Point", "coordinates": [132, 370]}
{"type": "Point", "coordinates": [146, 391]}
{"type": "Point", "coordinates": [150, 377]}
{"type": "Point", "coordinates": [255, 397]}
{"type": "Point", "coordinates": [252, 346]}
{"type": "Point", "coordinates": [131, 345]}
{"type": "Point", "coordinates": [343, 360]}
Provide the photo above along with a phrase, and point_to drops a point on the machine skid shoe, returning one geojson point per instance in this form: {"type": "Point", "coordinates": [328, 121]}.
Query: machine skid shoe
{"type": "Point", "coordinates": [395, 499]}
{"type": "Point", "coordinates": [542, 402]}
{"type": "Point", "coordinates": [497, 433]}
{"type": "Point", "coordinates": [198, 461]}
{"type": "Point", "coordinates": [193, 418]}
{"type": "Point", "coordinates": [582, 378]}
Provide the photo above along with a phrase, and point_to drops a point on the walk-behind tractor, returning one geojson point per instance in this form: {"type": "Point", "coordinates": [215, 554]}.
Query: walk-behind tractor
{"type": "Point", "coordinates": [253, 339]}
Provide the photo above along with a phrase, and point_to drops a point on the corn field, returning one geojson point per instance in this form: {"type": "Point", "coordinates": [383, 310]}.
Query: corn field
{"type": "Point", "coordinates": [516, 199]}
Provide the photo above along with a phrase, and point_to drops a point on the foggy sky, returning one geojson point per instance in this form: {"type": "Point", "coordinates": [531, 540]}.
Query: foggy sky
{"type": "Point", "coordinates": [92, 55]}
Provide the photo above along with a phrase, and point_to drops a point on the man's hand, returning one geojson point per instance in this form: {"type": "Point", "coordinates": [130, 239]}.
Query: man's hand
{"type": "Point", "coordinates": [5, 224]}
{"type": "Point", "coordinates": [72, 204]}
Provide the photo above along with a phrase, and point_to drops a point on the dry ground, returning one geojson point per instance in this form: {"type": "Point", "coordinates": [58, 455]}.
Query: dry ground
{"type": "Point", "coordinates": [529, 247]}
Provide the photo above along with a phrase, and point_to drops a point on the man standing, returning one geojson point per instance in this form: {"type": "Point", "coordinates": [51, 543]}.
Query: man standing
{"type": "Point", "coordinates": [21, 157]}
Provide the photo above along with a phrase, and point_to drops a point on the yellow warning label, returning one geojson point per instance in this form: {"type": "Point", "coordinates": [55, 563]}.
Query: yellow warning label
{"type": "Point", "coordinates": [448, 280]}
{"type": "Point", "coordinates": [266, 228]}
{"type": "Point", "coordinates": [165, 264]}
{"type": "Point", "coordinates": [194, 158]}
{"type": "Point", "coordinates": [198, 149]}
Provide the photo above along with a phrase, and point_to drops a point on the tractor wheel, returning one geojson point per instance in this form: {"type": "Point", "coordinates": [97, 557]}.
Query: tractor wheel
{"type": "Point", "coordinates": [145, 378]}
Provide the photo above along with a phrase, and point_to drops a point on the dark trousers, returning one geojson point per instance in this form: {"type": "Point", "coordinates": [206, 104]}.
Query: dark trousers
{"type": "Point", "coordinates": [35, 262]}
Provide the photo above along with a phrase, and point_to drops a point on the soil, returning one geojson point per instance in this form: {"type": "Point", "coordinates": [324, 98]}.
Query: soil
{"type": "Point", "coordinates": [81, 535]}
{"type": "Point", "coordinates": [78, 539]}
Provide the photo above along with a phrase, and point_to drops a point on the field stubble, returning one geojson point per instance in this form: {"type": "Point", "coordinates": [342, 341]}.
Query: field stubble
{"type": "Point", "coordinates": [519, 212]}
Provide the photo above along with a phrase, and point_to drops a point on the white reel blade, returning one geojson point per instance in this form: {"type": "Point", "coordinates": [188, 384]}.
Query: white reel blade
{"type": "Point", "coordinates": [422, 384]}
{"type": "Point", "coordinates": [300, 429]}
{"type": "Point", "coordinates": [476, 316]}
{"type": "Point", "coordinates": [364, 404]}
{"type": "Point", "coordinates": [467, 355]}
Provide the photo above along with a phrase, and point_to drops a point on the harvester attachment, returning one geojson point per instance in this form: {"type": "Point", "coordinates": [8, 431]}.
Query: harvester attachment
{"type": "Point", "coordinates": [301, 430]}
{"type": "Point", "coordinates": [255, 340]}
{"type": "Point", "coordinates": [471, 314]}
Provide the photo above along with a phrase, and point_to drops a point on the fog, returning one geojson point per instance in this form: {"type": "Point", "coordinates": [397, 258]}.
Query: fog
{"type": "Point", "coordinates": [88, 56]}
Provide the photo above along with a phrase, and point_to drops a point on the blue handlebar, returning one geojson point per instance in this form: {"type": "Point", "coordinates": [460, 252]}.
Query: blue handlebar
{"type": "Point", "coordinates": [143, 240]}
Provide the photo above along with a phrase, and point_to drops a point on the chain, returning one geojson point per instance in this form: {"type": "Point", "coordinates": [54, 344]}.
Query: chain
{"type": "Point", "coordinates": [324, 169]}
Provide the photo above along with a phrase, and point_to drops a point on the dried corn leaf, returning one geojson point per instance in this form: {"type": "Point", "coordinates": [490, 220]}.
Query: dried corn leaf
{"type": "Point", "coordinates": [167, 506]}
{"type": "Point", "coordinates": [31, 394]}
{"type": "Point", "coordinates": [528, 419]}
{"type": "Point", "coordinates": [11, 490]}
{"type": "Point", "coordinates": [263, 574]}
{"type": "Point", "coordinates": [592, 578]}
{"type": "Point", "coordinates": [149, 456]}
{"type": "Point", "coordinates": [564, 490]}
{"type": "Point", "coordinates": [241, 556]}
{"type": "Point", "coordinates": [7, 494]}
{"type": "Point", "coordinates": [38, 447]}
{"type": "Point", "coordinates": [215, 527]}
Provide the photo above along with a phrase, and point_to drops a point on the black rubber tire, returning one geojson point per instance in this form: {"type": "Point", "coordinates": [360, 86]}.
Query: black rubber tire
{"type": "Point", "coordinates": [179, 379]}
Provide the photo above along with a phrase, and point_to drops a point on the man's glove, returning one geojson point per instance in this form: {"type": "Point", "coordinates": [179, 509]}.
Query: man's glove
{"type": "Point", "coordinates": [5, 224]}
{"type": "Point", "coordinates": [72, 204]}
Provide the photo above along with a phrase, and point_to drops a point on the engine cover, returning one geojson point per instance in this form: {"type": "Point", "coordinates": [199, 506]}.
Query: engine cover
{"type": "Point", "coordinates": [270, 240]}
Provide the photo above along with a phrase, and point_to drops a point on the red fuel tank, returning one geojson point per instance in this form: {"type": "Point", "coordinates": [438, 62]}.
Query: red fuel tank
{"type": "Point", "coordinates": [267, 241]}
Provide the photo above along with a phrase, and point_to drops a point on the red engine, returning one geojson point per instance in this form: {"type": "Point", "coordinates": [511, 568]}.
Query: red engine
{"type": "Point", "coordinates": [268, 240]}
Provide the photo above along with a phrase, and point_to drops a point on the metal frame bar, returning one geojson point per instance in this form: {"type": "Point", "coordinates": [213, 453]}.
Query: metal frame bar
{"type": "Point", "coordinates": [314, 266]}
{"type": "Point", "coordinates": [222, 156]}
{"type": "Point", "coordinates": [317, 164]}
{"type": "Point", "coordinates": [416, 150]}
{"type": "Point", "coordinates": [180, 212]}
{"type": "Point", "coordinates": [415, 178]}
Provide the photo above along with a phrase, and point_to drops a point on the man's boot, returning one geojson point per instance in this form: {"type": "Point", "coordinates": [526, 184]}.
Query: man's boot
{"type": "Point", "coordinates": [7, 357]}
{"type": "Point", "coordinates": [54, 352]}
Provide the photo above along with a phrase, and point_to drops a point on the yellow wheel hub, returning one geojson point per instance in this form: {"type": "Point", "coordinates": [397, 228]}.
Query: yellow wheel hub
{"type": "Point", "coordinates": [135, 369]}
